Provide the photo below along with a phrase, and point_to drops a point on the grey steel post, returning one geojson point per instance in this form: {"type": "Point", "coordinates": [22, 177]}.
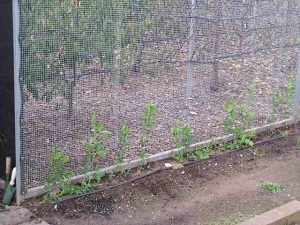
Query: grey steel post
{"type": "Point", "coordinates": [297, 92]}
{"type": "Point", "coordinates": [254, 21]}
{"type": "Point", "coordinates": [17, 93]}
{"type": "Point", "coordinates": [190, 68]}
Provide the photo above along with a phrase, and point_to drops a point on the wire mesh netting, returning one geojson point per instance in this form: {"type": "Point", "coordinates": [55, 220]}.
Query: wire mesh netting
{"type": "Point", "coordinates": [110, 58]}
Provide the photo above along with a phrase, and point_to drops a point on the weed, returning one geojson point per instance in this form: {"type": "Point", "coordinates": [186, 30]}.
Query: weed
{"type": "Point", "coordinates": [270, 187]}
{"type": "Point", "coordinates": [95, 145]}
{"type": "Point", "coordinates": [238, 119]}
{"type": "Point", "coordinates": [123, 137]}
{"type": "Point", "coordinates": [147, 125]}
{"type": "Point", "coordinates": [257, 153]}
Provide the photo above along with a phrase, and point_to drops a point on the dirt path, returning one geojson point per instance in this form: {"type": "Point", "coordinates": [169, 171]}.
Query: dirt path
{"type": "Point", "coordinates": [221, 191]}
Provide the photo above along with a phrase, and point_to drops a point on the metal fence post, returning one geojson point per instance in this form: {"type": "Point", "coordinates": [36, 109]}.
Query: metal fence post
{"type": "Point", "coordinates": [190, 68]}
{"type": "Point", "coordinates": [254, 26]}
{"type": "Point", "coordinates": [297, 92]}
{"type": "Point", "coordinates": [17, 96]}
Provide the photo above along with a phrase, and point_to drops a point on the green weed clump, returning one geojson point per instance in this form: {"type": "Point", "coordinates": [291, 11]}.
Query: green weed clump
{"type": "Point", "coordinates": [270, 187]}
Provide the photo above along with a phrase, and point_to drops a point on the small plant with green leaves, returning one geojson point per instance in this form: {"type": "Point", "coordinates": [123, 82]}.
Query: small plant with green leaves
{"type": "Point", "coordinates": [58, 167]}
{"type": "Point", "coordinates": [257, 153]}
{"type": "Point", "coordinates": [98, 175]}
{"type": "Point", "coordinates": [95, 144]}
{"type": "Point", "coordinates": [238, 119]}
{"type": "Point", "coordinates": [111, 175]}
{"type": "Point", "coordinates": [183, 139]}
{"type": "Point", "coordinates": [283, 102]}
{"type": "Point", "coordinates": [147, 122]}
{"type": "Point", "coordinates": [124, 143]}
{"type": "Point", "coordinates": [276, 102]}
{"type": "Point", "coordinates": [270, 187]}
{"type": "Point", "coordinates": [200, 153]}
{"type": "Point", "coordinates": [180, 155]}
{"type": "Point", "coordinates": [58, 174]}
{"type": "Point", "coordinates": [290, 92]}
{"type": "Point", "coordinates": [61, 176]}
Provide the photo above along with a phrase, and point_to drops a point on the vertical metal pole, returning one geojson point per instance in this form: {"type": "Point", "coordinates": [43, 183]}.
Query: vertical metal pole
{"type": "Point", "coordinates": [253, 37]}
{"type": "Point", "coordinates": [190, 68]}
{"type": "Point", "coordinates": [18, 101]}
{"type": "Point", "coordinates": [297, 92]}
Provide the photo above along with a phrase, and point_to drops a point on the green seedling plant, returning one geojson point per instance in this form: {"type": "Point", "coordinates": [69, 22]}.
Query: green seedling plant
{"type": "Point", "coordinates": [124, 143]}
{"type": "Point", "coordinates": [238, 119]}
{"type": "Point", "coordinates": [200, 153]}
{"type": "Point", "coordinates": [283, 101]}
{"type": "Point", "coordinates": [183, 139]}
{"type": "Point", "coordinates": [111, 175]}
{"type": "Point", "coordinates": [58, 167]}
{"type": "Point", "coordinates": [290, 92]}
{"type": "Point", "coordinates": [270, 187]}
{"type": "Point", "coordinates": [95, 144]}
{"type": "Point", "coordinates": [276, 102]}
{"type": "Point", "coordinates": [58, 174]}
{"type": "Point", "coordinates": [147, 122]}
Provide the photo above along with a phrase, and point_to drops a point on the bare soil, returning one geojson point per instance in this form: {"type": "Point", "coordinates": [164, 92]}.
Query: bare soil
{"type": "Point", "coordinates": [217, 191]}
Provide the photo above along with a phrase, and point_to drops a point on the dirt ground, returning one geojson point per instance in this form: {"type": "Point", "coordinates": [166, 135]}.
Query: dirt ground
{"type": "Point", "coordinates": [219, 191]}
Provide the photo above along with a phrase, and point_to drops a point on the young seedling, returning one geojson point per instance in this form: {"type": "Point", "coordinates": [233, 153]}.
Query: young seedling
{"type": "Point", "coordinates": [270, 187]}
{"type": "Point", "coordinates": [95, 145]}
{"type": "Point", "coordinates": [58, 174]}
{"type": "Point", "coordinates": [257, 153]}
{"type": "Point", "coordinates": [183, 139]}
{"type": "Point", "coordinates": [290, 93]}
{"type": "Point", "coordinates": [147, 121]}
{"type": "Point", "coordinates": [200, 153]}
{"type": "Point", "coordinates": [57, 167]}
{"type": "Point", "coordinates": [124, 144]}
{"type": "Point", "coordinates": [238, 119]}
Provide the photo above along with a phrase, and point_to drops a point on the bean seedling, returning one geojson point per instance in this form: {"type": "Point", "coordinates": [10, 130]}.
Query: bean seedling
{"type": "Point", "coordinates": [95, 145]}
{"type": "Point", "coordinates": [147, 126]}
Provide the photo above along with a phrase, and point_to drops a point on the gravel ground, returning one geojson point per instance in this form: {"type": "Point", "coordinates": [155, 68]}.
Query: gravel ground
{"type": "Point", "coordinates": [48, 124]}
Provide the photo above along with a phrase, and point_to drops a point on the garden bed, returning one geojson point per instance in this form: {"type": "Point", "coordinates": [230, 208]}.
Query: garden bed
{"type": "Point", "coordinates": [221, 190]}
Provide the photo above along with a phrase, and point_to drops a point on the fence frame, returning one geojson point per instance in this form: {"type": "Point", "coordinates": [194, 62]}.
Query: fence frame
{"type": "Point", "coordinates": [21, 196]}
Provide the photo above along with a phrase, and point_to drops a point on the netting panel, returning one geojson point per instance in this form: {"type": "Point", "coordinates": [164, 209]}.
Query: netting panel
{"type": "Point", "coordinates": [109, 58]}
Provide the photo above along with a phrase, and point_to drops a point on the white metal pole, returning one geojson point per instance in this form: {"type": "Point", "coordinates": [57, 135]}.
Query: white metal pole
{"type": "Point", "coordinates": [297, 92]}
{"type": "Point", "coordinates": [190, 68]}
{"type": "Point", "coordinates": [17, 96]}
